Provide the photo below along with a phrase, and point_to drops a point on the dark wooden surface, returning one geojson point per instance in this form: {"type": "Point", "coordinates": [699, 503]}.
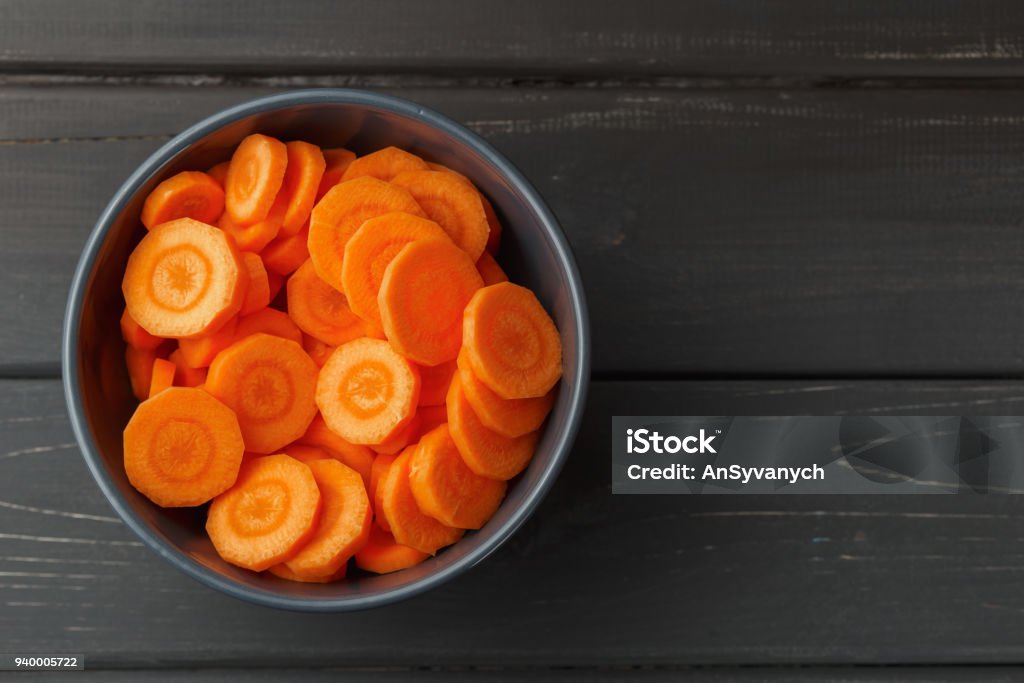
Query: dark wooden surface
{"type": "Point", "coordinates": [778, 207]}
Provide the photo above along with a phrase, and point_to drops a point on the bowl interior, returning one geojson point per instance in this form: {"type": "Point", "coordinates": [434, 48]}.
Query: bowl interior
{"type": "Point", "coordinates": [529, 253]}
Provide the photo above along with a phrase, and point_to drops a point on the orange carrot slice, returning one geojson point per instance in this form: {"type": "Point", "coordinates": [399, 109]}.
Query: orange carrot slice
{"type": "Point", "coordinates": [219, 172]}
{"type": "Point", "coordinates": [484, 451]}
{"type": "Point", "coordinates": [281, 571]}
{"type": "Point", "coordinates": [490, 271]}
{"type": "Point", "coordinates": [407, 522]}
{"type": "Point", "coordinates": [184, 279]}
{"type": "Point", "coordinates": [190, 194]}
{"type": "Point", "coordinates": [320, 310]}
{"type": "Point", "coordinates": [268, 321]}
{"type": "Point", "coordinates": [256, 236]}
{"type": "Point", "coordinates": [425, 290]}
{"type": "Point", "coordinates": [134, 335]}
{"type": "Point", "coordinates": [258, 294]}
{"type": "Point", "coordinates": [254, 178]}
{"type": "Point", "coordinates": [276, 281]}
{"type": "Point", "coordinates": [286, 253]}
{"type": "Point", "coordinates": [269, 513]}
{"type": "Point", "coordinates": [384, 164]}
{"type": "Point", "coordinates": [298, 188]}
{"type": "Point", "coordinates": [381, 463]}
{"type": "Point", "coordinates": [186, 376]}
{"type": "Point", "coordinates": [430, 417]}
{"type": "Point", "coordinates": [451, 203]}
{"type": "Point", "coordinates": [270, 383]}
{"type": "Point", "coordinates": [358, 457]}
{"type": "Point", "coordinates": [316, 349]}
{"type": "Point", "coordinates": [339, 214]}
{"type": "Point", "coordinates": [182, 447]}
{"type": "Point", "coordinates": [199, 352]}
{"type": "Point", "coordinates": [435, 381]}
{"type": "Point", "coordinates": [377, 498]}
{"type": "Point", "coordinates": [400, 438]}
{"type": "Point", "coordinates": [494, 236]}
{"type": "Point", "coordinates": [382, 555]}
{"type": "Point", "coordinates": [446, 489]}
{"type": "Point", "coordinates": [366, 391]}
{"type": "Point", "coordinates": [509, 417]}
{"type": "Point", "coordinates": [162, 376]}
{"type": "Point", "coordinates": [305, 454]}
{"type": "Point", "coordinates": [140, 368]}
{"type": "Point", "coordinates": [337, 162]}
{"type": "Point", "coordinates": [512, 345]}
{"type": "Point", "coordinates": [369, 251]}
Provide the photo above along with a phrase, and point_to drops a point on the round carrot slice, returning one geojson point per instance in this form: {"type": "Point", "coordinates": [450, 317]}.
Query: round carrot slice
{"type": "Point", "coordinates": [382, 555]}
{"type": "Point", "coordinates": [494, 236]}
{"type": "Point", "coordinates": [162, 377]}
{"type": "Point", "coordinates": [384, 164]}
{"type": "Point", "coordinates": [484, 451]}
{"type": "Point", "coordinates": [337, 162]}
{"type": "Point", "coordinates": [182, 448]}
{"type": "Point", "coordinates": [254, 178]}
{"type": "Point", "coordinates": [369, 251]}
{"type": "Point", "coordinates": [184, 279]}
{"type": "Point", "coordinates": [377, 500]}
{"type": "Point", "coordinates": [298, 188]}
{"type": "Point", "coordinates": [511, 343]}
{"type": "Point", "coordinates": [339, 214]}
{"type": "Point", "coordinates": [190, 194]}
{"type": "Point", "coordinates": [381, 463]}
{"type": "Point", "coordinates": [281, 571]}
{"type": "Point", "coordinates": [400, 438]}
{"type": "Point", "coordinates": [435, 382]}
{"type": "Point", "coordinates": [489, 269]}
{"type": "Point", "coordinates": [199, 352]}
{"type": "Point", "coordinates": [134, 335]}
{"type": "Point", "coordinates": [320, 310]}
{"type": "Point", "coordinates": [453, 204]}
{"type": "Point", "coordinates": [446, 489]}
{"type": "Point", "coordinates": [423, 295]}
{"type": "Point", "coordinates": [316, 349]}
{"type": "Point", "coordinates": [186, 376]}
{"type": "Point", "coordinates": [358, 457]}
{"type": "Point", "coordinates": [270, 383]}
{"type": "Point", "coordinates": [344, 525]}
{"type": "Point", "coordinates": [509, 417]}
{"type": "Point", "coordinates": [409, 525]}
{"type": "Point", "coordinates": [258, 294]}
{"type": "Point", "coordinates": [306, 454]}
{"type": "Point", "coordinates": [268, 321]}
{"type": "Point", "coordinates": [256, 236]}
{"type": "Point", "coordinates": [286, 253]}
{"type": "Point", "coordinates": [269, 513]}
{"type": "Point", "coordinates": [366, 391]}
{"type": "Point", "coordinates": [219, 172]}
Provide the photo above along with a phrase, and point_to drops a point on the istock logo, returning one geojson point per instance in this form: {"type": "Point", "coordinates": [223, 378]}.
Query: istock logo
{"type": "Point", "coordinates": [646, 441]}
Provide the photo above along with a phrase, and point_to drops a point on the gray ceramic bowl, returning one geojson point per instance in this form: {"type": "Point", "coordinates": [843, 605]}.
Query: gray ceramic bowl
{"type": "Point", "coordinates": [534, 252]}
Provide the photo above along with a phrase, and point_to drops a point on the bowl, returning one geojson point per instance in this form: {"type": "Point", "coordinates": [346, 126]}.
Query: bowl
{"type": "Point", "coordinates": [534, 252]}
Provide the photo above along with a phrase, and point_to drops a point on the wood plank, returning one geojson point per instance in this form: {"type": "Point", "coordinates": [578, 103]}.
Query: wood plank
{"type": "Point", "coordinates": [593, 579]}
{"type": "Point", "coordinates": [817, 233]}
{"type": "Point", "coordinates": [577, 38]}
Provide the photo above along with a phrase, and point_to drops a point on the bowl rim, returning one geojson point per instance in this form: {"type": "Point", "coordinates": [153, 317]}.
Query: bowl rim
{"type": "Point", "coordinates": [85, 269]}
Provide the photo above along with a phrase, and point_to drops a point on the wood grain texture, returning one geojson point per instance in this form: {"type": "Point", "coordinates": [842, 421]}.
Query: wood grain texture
{"type": "Point", "coordinates": [732, 233]}
{"type": "Point", "coordinates": [592, 579]}
{"type": "Point", "coordinates": [566, 39]}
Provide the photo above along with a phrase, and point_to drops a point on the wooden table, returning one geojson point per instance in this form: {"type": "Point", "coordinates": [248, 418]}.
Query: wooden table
{"type": "Point", "coordinates": [778, 207]}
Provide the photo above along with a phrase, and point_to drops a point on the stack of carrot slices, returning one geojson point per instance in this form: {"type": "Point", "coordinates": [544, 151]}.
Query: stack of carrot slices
{"type": "Point", "coordinates": [328, 354]}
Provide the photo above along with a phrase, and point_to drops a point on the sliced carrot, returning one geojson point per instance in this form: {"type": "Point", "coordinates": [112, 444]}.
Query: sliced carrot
{"type": "Point", "coordinates": [377, 499]}
{"type": "Point", "coordinates": [337, 162]}
{"type": "Point", "coordinates": [189, 194]}
{"type": "Point", "coordinates": [344, 525]}
{"type": "Point", "coordinates": [199, 352]}
{"type": "Point", "coordinates": [276, 281]}
{"type": "Point", "coordinates": [446, 489]}
{"type": "Point", "coordinates": [369, 251]}
{"type": "Point", "coordinates": [162, 376]}
{"type": "Point", "coordinates": [140, 369]}
{"type": "Point", "coordinates": [182, 447]}
{"type": "Point", "coordinates": [509, 417]}
{"type": "Point", "coordinates": [494, 236]}
{"type": "Point", "coordinates": [258, 294]}
{"type": "Point", "coordinates": [305, 454]}
{"type": "Point", "coordinates": [375, 331]}
{"type": "Point", "coordinates": [400, 438]}
{"type": "Point", "coordinates": [270, 383]}
{"type": "Point", "coordinates": [359, 458]}
{"type": "Point", "coordinates": [316, 349]}
{"type": "Point", "coordinates": [339, 214]}
{"type": "Point", "coordinates": [281, 571]}
{"type": "Point", "coordinates": [484, 451]}
{"type": "Point", "coordinates": [423, 295]}
{"type": "Point", "coordinates": [134, 335]}
{"type": "Point", "coordinates": [451, 203]}
{"type": "Point", "coordinates": [489, 269]}
{"type": "Point", "coordinates": [366, 391]}
{"type": "Point", "coordinates": [320, 310]}
{"type": "Point", "coordinates": [430, 417]}
{"type": "Point", "coordinates": [268, 321]}
{"type": "Point", "coordinates": [382, 555]}
{"type": "Point", "coordinates": [435, 382]}
{"type": "Point", "coordinates": [298, 188]}
{"type": "Point", "coordinates": [256, 236]}
{"type": "Point", "coordinates": [512, 345]}
{"type": "Point", "coordinates": [219, 172]}
{"type": "Point", "coordinates": [186, 376]}
{"type": "Point", "coordinates": [445, 169]}
{"type": "Point", "coordinates": [409, 525]}
{"type": "Point", "coordinates": [269, 513]}
{"type": "Point", "coordinates": [384, 164]}
{"type": "Point", "coordinates": [285, 254]}
{"type": "Point", "coordinates": [184, 279]}
{"type": "Point", "coordinates": [381, 463]}
{"type": "Point", "coordinates": [254, 178]}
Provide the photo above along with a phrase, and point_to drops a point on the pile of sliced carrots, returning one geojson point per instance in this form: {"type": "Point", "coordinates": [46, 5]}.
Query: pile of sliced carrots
{"type": "Point", "coordinates": [328, 354]}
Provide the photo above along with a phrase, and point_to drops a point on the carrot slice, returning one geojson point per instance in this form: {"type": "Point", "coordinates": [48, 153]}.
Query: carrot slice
{"type": "Point", "coordinates": [344, 526]}
{"type": "Point", "coordinates": [366, 391]}
{"type": "Point", "coordinates": [189, 194]}
{"type": "Point", "coordinates": [199, 352]}
{"type": "Point", "coordinates": [384, 164]}
{"type": "Point", "coordinates": [162, 376]}
{"type": "Point", "coordinates": [409, 525]}
{"type": "Point", "coordinates": [381, 463]}
{"type": "Point", "coordinates": [453, 204]}
{"type": "Point", "coordinates": [377, 499]}
{"type": "Point", "coordinates": [320, 310]}
{"type": "Point", "coordinates": [305, 454]}
{"type": "Point", "coordinates": [134, 335]}
{"type": "Point", "coordinates": [268, 321]}
{"type": "Point", "coordinates": [400, 438]}
{"type": "Point", "coordinates": [337, 162]}
{"type": "Point", "coordinates": [509, 417]}
{"type": "Point", "coordinates": [316, 349]}
{"type": "Point", "coordinates": [435, 382]}
{"type": "Point", "coordinates": [270, 383]}
{"type": "Point", "coordinates": [256, 236]}
{"type": "Point", "coordinates": [269, 513]}
{"type": "Point", "coordinates": [358, 457]}
{"type": "Point", "coordinates": [276, 281]}
{"type": "Point", "coordinates": [423, 295]}
{"type": "Point", "coordinates": [430, 417]}
{"type": "Point", "coordinates": [446, 489]}
{"type": "Point", "coordinates": [382, 555]}
{"type": "Point", "coordinates": [484, 451]}
{"type": "Point", "coordinates": [369, 251]}
{"type": "Point", "coordinates": [254, 178]}
{"type": "Point", "coordinates": [494, 236]}
{"type": "Point", "coordinates": [184, 279]}
{"type": "Point", "coordinates": [490, 271]}
{"type": "Point", "coordinates": [375, 331]}
{"type": "Point", "coordinates": [258, 294]}
{"type": "Point", "coordinates": [285, 254]}
{"type": "Point", "coordinates": [298, 188]}
{"type": "Point", "coordinates": [182, 447]}
{"type": "Point", "coordinates": [512, 345]}
{"type": "Point", "coordinates": [140, 369]}
{"type": "Point", "coordinates": [445, 169]}
{"type": "Point", "coordinates": [339, 214]}
{"type": "Point", "coordinates": [186, 376]}
{"type": "Point", "coordinates": [282, 571]}
{"type": "Point", "coordinates": [219, 172]}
